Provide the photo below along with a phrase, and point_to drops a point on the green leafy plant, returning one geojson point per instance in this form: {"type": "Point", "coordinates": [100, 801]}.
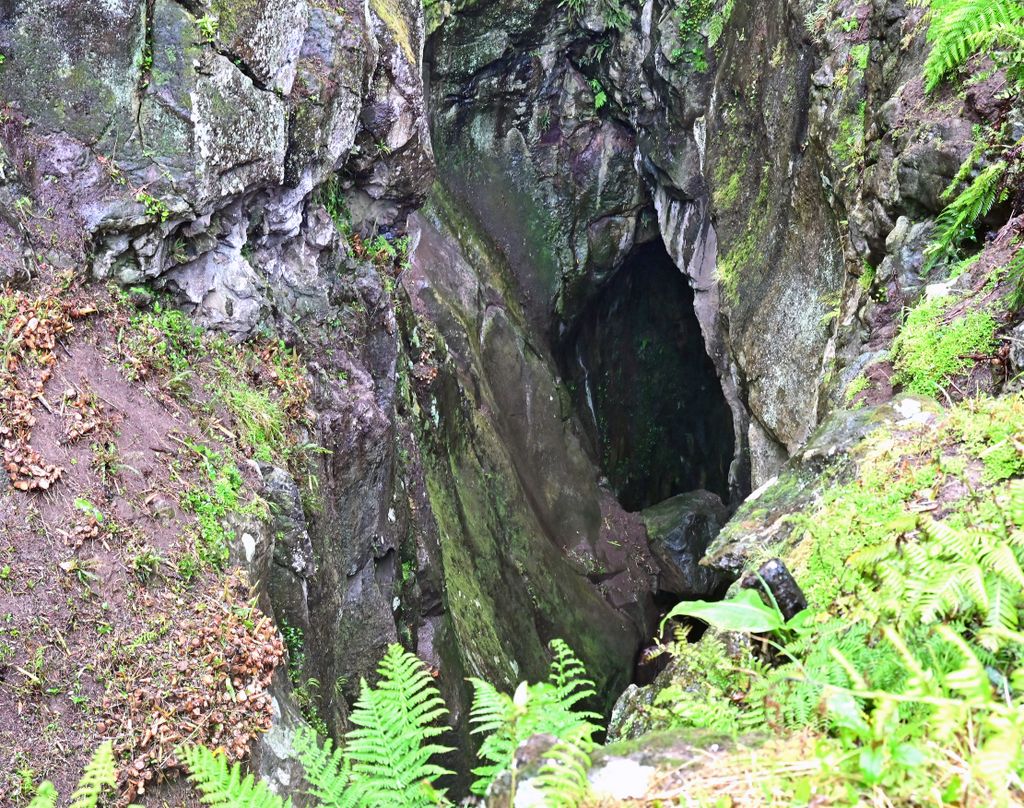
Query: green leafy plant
{"type": "Point", "coordinates": [562, 780]}
{"type": "Point", "coordinates": [744, 612]}
{"type": "Point", "coordinates": [208, 26]}
{"type": "Point", "coordinates": [971, 204]}
{"type": "Point", "coordinates": [386, 758]}
{"type": "Point", "coordinates": [156, 208]}
{"type": "Point", "coordinates": [100, 775]}
{"type": "Point", "coordinates": [600, 96]}
{"type": "Point", "coordinates": [972, 572]}
{"type": "Point", "coordinates": [226, 787]}
{"type": "Point", "coordinates": [958, 29]}
{"type": "Point", "coordinates": [543, 708]}
{"type": "Point", "coordinates": [575, 8]}
{"type": "Point", "coordinates": [931, 348]}
{"type": "Point", "coordinates": [392, 744]}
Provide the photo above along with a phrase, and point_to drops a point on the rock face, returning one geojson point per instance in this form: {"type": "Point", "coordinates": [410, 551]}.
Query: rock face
{"type": "Point", "coordinates": [476, 491]}
{"type": "Point", "coordinates": [236, 156]}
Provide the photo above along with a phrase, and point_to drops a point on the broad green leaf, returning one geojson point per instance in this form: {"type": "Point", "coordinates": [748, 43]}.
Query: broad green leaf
{"type": "Point", "coordinates": [872, 764]}
{"type": "Point", "coordinates": [745, 612]}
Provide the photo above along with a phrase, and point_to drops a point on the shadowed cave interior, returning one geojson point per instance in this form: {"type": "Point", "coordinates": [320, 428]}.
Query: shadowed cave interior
{"type": "Point", "coordinates": [645, 388]}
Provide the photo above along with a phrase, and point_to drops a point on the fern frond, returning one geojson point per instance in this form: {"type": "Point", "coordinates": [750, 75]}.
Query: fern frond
{"type": "Point", "coordinates": [562, 780]}
{"type": "Point", "coordinates": [389, 748]}
{"type": "Point", "coordinates": [1016, 508]}
{"type": "Point", "coordinates": [1002, 605]}
{"type": "Point", "coordinates": [956, 28]}
{"type": "Point", "coordinates": [224, 787]}
{"type": "Point", "coordinates": [46, 796]}
{"type": "Point", "coordinates": [569, 676]}
{"type": "Point", "coordinates": [327, 770]}
{"type": "Point", "coordinates": [542, 708]}
{"type": "Point", "coordinates": [998, 556]}
{"type": "Point", "coordinates": [100, 773]}
{"type": "Point", "coordinates": [974, 201]}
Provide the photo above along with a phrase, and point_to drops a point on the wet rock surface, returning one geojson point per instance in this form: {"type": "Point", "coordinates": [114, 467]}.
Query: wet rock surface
{"type": "Point", "coordinates": [469, 404]}
{"type": "Point", "coordinates": [680, 531]}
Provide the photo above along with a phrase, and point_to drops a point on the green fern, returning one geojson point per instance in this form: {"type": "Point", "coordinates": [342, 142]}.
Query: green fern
{"type": "Point", "coordinates": [99, 776]}
{"type": "Point", "coordinates": [969, 572]}
{"type": "Point", "coordinates": [961, 28]}
{"type": "Point", "coordinates": [386, 758]}
{"type": "Point", "coordinates": [974, 201]}
{"type": "Point", "coordinates": [964, 708]}
{"type": "Point", "coordinates": [541, 708]}
{"type": "Point", "coordinates": [224, 787]}
{"type": "Point", "coordinates": [328, 771]}
{"type": "Point", "coordinates": [391, 747]}
{"type": "Point", "coordinates": [562, 780]}
{"type": "Point", "coordinates": [46, 796]}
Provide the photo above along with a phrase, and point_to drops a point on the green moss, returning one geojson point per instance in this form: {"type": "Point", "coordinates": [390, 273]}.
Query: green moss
{"type": "Point", "coordinates": [725, 196]}
{"type": "Point", "coordinates": [391, 14]}
{"type": "Point", "coordinates": [746, 251]}
{"type": "Point", "coordinates": [856, 387]}
{"type": "Point", "coordinates": [931, 348]}
{"type": "Point", "coordinates": [991, 429]}
{"type": "Point", "coordinates": [848, 147]}
{"type": "Point", "coordinates": [859, 54]}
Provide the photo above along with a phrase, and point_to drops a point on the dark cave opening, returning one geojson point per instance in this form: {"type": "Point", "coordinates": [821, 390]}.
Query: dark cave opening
{"type": "Point", "coordinates": [645, 388]}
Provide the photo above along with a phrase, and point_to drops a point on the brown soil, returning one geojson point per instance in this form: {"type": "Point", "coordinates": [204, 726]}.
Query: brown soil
{"type": "Point", "coordinates": [101, 636]}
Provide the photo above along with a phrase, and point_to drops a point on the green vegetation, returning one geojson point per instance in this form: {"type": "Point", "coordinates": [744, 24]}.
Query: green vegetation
{"type": "Point", "coordinates": [99, 776]}
{"type": "Point", "coordinates": [213, 503]}
{"type": "Point", "coordinates": [600, 96]}
{"type": "Point", "coordinates": [155, 208]}
{"type": "Point", "coordinates": [857, 386]}
{"type": "Point", "coordinates": [388, 756]}
{"type": "Point", "coordinates": [744, 253]}
{"type": "Point", "coordinates": [700, 29]}
{"type": "Point", "coordinates": [959, 29]}
{"type": "Point", "coordinates": [908, 666]}
{"type": "Point", "coordinates": [860, 54]}
{"type": "Point", "coordinates": [165, 341]}
{"type": "Point", "coordinates": [931, 347]}
{"type": "Point", "coordinates": [208, 25]}
{"type": "Point", "coordinates": [954, 223]}
{"type": "Point", "coordinates": [692, 16]}
{"type": "Point", "coordinates": [725, 195]}
{"type": "Point", "coordinates": [542, 708]}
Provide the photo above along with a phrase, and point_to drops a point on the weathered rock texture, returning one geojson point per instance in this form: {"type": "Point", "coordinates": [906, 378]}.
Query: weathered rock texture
{"type": "Point", "coordinates": [222, 149]}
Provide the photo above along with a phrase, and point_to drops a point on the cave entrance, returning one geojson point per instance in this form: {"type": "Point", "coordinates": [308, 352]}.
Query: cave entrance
{"type": "Point", "coordinates": [645, 387]}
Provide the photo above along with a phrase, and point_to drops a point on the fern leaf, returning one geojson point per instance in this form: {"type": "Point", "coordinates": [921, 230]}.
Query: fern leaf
{"type": "Point", "coordinates": [224, 787]}
{"type": "Point", "coordinates": [974, 201]}
{"type": "Point", "coordinates": [46, 796]}
{"type": "Point", "coordinates": [100, 773]}
{"type": "Point", "coordinates": [956, 28]}
{"type": "Point", "coordinates": [1017, 499]}
{"type": "Point", "coordinates": [562, 780]}
{"type": "Point", "coordinates": [327, 771]}
{"type": "Point", "coordinates": [569, 676]}
{"type": "Point", "coordinates": [1002, 608]}
{"type": "Point", "coordinates": [541, 708]}
{"type": "Point", "coordinates": [389, 750]}
{"type": "Point", "coordinates": [1000, 559]}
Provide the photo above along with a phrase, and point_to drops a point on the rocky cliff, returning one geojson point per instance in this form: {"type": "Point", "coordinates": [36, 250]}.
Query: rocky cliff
{"type": "Point", "coordinates": [534, 294]}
